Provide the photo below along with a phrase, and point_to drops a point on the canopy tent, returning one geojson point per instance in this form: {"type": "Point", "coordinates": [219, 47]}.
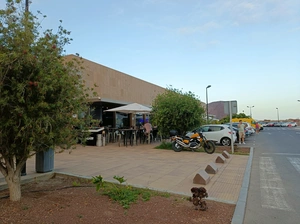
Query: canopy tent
{"type": "Point", "coordinates": [133, 108]}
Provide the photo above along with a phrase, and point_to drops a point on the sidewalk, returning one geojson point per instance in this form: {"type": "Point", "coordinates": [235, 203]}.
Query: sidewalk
{"type": "Point", "coordinates": [144, 166]}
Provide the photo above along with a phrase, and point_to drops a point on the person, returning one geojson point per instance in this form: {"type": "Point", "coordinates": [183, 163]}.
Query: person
{"type": "Point", "coordinates": [241, 127]}
{"type": "Point", "coordinates": [148, 131]}
{"type": "Point", "coordinates": [257, 127]}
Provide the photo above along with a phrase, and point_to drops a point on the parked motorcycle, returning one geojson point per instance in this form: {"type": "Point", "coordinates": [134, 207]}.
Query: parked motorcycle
{"type": "Point", "coordinates": [196, 141]}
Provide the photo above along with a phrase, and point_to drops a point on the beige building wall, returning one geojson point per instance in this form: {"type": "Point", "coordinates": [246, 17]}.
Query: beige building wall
{"type": "Point", "coordinates": [117, 87]}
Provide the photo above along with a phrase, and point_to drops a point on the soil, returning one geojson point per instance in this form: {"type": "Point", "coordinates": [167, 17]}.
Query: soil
{"type": "Point", "coordinates": [239, 150]}
{"type": "Point", "coordinates": [65, 199]}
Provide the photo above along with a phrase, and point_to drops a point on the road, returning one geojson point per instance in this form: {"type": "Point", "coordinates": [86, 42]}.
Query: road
{"type": "Point", "coordinates": [274, 191]}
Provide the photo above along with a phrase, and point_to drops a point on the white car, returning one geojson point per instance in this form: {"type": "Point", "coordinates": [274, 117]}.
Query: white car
{"type": "Point", "coordinates": [218, 133]}
{"type": "Point", "coordinates": [292, 124]}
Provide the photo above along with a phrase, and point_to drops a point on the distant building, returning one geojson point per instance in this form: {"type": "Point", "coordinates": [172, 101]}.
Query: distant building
{"type": "Point", "coordinates": [218, 110]}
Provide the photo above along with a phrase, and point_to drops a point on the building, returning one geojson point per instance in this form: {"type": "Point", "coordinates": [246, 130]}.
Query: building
{"type": "Point", "coordinates": [219, 109]}
{"type": "Point", "coordinates": [116, 89]}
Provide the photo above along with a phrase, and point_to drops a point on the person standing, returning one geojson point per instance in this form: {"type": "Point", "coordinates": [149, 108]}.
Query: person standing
{"type": "Point", "coordinates": [257, 127]}
{"type": "Point", "coordinates": [241, 127]}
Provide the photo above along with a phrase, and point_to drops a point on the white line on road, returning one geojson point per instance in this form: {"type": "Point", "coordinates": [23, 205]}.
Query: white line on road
{"type": "Point", "coordinates": [281, 154]}
{"type": "Point", "coordinates": [295, 162]}
{"type": "Point", "coordinates": [272, 191]}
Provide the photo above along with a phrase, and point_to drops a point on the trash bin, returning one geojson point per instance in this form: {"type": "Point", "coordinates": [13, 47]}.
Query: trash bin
{"type": "Point", "coordinates": [44, 161]}
{"type": "Point", "coordinates": [92, 139]}
{"type": "Point", "coordinates": [23, 170]}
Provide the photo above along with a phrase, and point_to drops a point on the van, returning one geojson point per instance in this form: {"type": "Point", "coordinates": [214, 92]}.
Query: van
{"type": "Point", "coordinates": [248, 120]}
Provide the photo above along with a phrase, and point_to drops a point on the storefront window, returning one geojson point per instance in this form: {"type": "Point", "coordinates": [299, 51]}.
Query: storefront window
{"type": "Point", "coordinates": [139, 120]}
{"type": "Point", "coordinates": [122, 120]}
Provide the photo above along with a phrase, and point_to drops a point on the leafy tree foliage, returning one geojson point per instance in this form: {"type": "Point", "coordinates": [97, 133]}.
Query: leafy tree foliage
{"type": "Point", "coordinates": [175, 110]}
{"type": "Point", "coordinates": [39, 91]}
{"type": "Point", "coordinates": [227, 119]}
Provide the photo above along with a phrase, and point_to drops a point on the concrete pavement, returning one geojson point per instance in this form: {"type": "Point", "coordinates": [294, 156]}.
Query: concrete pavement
{"type": "Point", "coordinates": [144, 166]}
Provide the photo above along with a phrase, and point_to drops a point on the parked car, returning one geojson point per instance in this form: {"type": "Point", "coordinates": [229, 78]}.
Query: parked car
{"type": "Point", "coordinates": [285, 124]}
{"type": "Point", "coordinates": [270, 124]}
{"type": "Point", "coordinates": [292, 124]}
{"type": "Point", "coordinates": [236, 131]}
{"type": "Point", "coordinates": [277, 124]}
{"type": "Point", "coordinates": [219, 133]}
{"type": "Point", "coordinates": [249, 130]}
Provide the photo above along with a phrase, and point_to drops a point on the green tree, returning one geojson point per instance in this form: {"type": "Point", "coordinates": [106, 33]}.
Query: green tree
{"type": "Point", "coordinates": [39, 91]}
{"type": "Point", "coordinates": [175, 110]}
{"type": "Point", "coordinates": [227, 119]}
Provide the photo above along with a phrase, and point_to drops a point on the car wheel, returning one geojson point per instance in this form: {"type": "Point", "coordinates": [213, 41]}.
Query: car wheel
{"type": "Point", "coordinates": [225, 141]}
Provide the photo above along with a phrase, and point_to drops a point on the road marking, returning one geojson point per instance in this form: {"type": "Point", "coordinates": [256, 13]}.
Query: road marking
{"type": "Point", "coordinates": [295, 162]}
{"type": "Point", "coordinates": [272, 191]}
{"type": "Point", "coordinates": [281, 154]}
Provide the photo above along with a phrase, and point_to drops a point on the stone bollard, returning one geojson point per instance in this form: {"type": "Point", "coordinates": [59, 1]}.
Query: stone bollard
{"type": "Point", "coordinates": [99, 140]}
{"type": "Point", "coordinates": [201, 177]}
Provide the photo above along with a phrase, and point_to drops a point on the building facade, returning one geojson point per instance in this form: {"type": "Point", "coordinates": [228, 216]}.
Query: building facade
{"type": "Point", "coordinates": [116, 89]}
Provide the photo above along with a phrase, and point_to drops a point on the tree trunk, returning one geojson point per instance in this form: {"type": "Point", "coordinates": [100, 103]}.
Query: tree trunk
{"type": "Point", "coordinates": [13, 181]}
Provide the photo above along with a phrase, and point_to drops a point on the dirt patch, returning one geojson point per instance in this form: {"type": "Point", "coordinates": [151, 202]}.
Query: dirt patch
{"type": "Point", "coordinates": [65, 199]}
{"type": "Point", "coordinates": [240, 150]}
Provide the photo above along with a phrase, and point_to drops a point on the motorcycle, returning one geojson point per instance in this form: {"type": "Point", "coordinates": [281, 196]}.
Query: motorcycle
{"type": "Point", "coordinates": [196, 141]}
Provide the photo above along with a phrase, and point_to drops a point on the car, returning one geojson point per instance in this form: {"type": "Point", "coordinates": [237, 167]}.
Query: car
{"type": "Point", "coordinates": [285, 124]}
{"type": "Point", "coordinates": [249, 130]}
{"type": "Point", "coordinates": [292, 124]}
{"type": "Point", "coordinates": [277, 124]}
{"type": "Point", "coordinates": [236, 131]}
{"type": "Point", "coordinates": [218, 133]}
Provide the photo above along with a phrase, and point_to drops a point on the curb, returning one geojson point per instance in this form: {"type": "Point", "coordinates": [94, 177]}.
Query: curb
{"type": "Point", "coordinates": [239, 212]}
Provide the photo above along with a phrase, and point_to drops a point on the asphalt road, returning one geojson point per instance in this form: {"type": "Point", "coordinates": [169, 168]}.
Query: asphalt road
{"type": "Point", "coordinates": [274, 191]}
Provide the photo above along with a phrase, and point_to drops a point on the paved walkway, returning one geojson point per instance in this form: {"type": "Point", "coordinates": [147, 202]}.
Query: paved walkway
{"type": "Point", "coordinates": [144, 166]}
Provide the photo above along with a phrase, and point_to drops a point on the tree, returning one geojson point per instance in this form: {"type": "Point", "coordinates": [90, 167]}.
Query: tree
{"type": "Point", "coordinates": [227, 119]}
{"type": "Point", "coordinates": [175, 110]}
{"type": "Point", "coordinates": [40, 92]}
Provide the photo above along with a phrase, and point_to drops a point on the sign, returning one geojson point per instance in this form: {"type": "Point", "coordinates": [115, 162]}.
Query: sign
{"type": "Point", "coordinates": [234, 108]}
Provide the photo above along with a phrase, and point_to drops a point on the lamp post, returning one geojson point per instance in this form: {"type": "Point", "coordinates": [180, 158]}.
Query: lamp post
{"type": "Point", "coordinates": [27, 5]}
{"type": "Point", "coordinates": [207, 103]}
{"type": "Point", "coordinates": [277, 114]}
{"type": "Point", "coordinates": [250, 110]}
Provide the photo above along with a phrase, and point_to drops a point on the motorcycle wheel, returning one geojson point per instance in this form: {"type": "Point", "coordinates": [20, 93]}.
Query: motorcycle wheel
{"type": "Point", "coordinates": [176, 147]}
{"type": "Point", "coordinates": [209, 147]}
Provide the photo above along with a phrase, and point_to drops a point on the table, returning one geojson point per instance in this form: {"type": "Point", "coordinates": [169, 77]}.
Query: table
{"type": "Point", "coordinates": [128, 133]}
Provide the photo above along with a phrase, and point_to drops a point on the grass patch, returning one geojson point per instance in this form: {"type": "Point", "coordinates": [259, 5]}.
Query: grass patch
{"type": "Point", "coordinates": [168, 146]}
{"type": "Point", "coordinates": [165, 145]}
{"type": "Point", "coordinates": [124, 194]}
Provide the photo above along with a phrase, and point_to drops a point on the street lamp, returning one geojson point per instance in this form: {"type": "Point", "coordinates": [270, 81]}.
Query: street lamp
{"type": "Point", "coordinates": [277, 114]}
{"type": "Point", "coordinates": [250, 110]}
{"type": "Point", "coordinates": [207, 103]}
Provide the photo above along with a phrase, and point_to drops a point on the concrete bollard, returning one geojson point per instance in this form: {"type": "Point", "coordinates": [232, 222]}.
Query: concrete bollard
{"type": "Point", "coordinates": [211, 168]}
{"type": "Point", "coordinates": [226, 154]}
{"type": "Point", "coordinates": [201, 178]}
{"type": "Point", "coordinates": [220, 159]}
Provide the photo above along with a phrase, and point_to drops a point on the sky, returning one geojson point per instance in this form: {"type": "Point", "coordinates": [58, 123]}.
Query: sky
{"type": "Point", "coordinates": [248, 51]}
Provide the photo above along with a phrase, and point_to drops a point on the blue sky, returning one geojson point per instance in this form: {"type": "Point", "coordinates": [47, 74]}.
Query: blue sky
{"type": "Point", "coordinates": [247, 51]}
